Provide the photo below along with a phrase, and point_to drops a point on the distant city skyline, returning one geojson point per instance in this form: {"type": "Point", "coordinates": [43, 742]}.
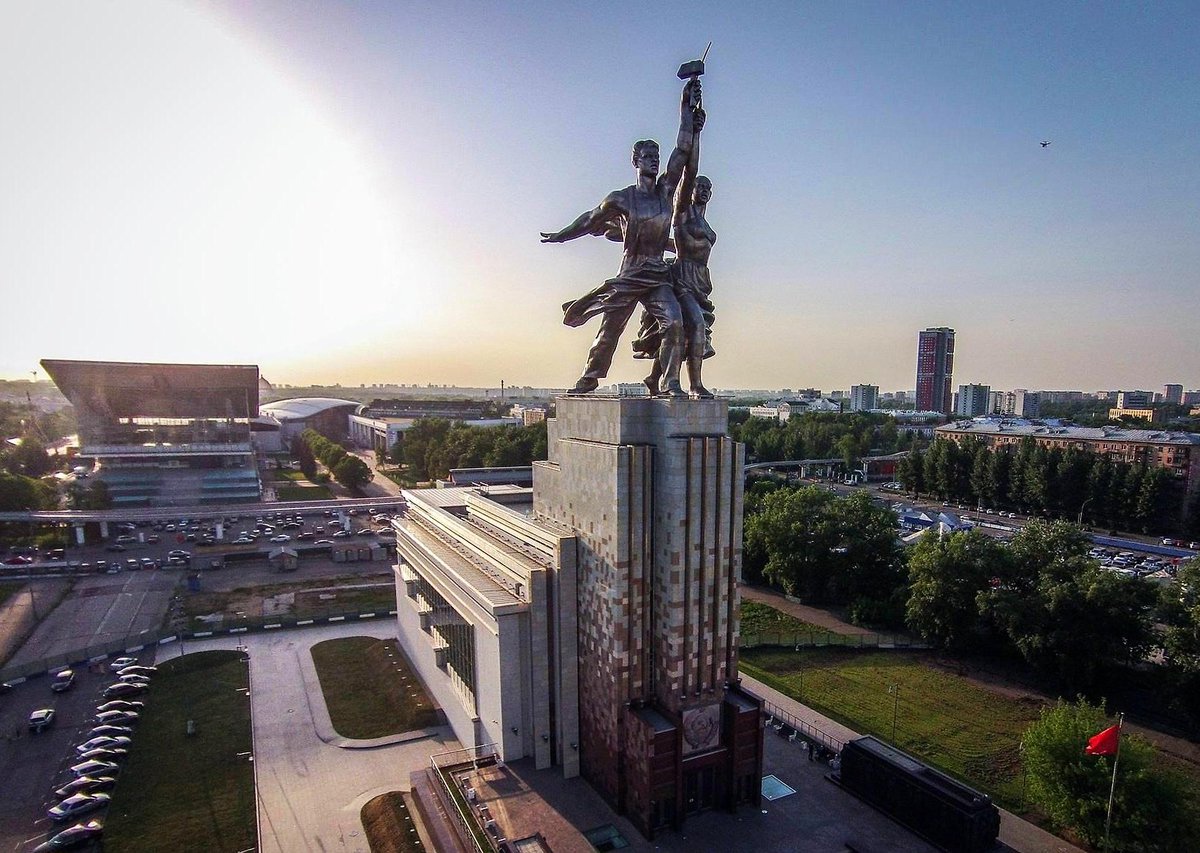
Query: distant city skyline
{"type": "Point", "coordinates": [353, 191]}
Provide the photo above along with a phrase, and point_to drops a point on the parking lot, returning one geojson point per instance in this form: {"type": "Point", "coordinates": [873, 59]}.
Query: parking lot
{"type": "Point", "coordinates": [32, 765]}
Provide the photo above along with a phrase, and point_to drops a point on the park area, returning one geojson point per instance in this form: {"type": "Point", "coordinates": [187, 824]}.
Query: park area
{"type": "Point", "coordinates": [310, 598]}
{"type": "Point", "coordinates": [189, 792]}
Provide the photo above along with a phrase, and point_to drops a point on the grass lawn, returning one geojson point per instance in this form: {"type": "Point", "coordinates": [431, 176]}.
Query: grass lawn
{"type": "Point", "coordinates": [370, 689]}
{"type": "Point", "coordinates": [390, 828]}
{"type": "Point", "coordinates": [184, 793]}
{"type": "Point", "coordinates": [286, 475]}
{"type": "Point", "coordinates": [10, 588]}
{"type": "Point", "coordinates": [363, 599]}
{"type": "Point", "coordinates": [303, 493]}
{"type": "Point", "coordinates": [941, 717]}
{"type": "Point", "coordinates": [759, 618]}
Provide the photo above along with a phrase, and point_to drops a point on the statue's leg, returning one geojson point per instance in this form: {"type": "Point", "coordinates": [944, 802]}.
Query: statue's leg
{"type": "Point", "coordinates": [696, 337]}
{"type": "Point", "coordinates": [600, 356]}
{"type": "Point", "coordinates": [664, 307]}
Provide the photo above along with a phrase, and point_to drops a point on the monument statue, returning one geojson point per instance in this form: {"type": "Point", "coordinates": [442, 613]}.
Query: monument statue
{"type": "Point", "coordinates": [640, 216]}
{"type": "Point", "coordinates": [693, 242]}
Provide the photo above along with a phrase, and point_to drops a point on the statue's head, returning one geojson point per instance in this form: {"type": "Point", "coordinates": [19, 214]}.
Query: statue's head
{"type": "Point", "coordinates": [702, 192]}
{"type": "Point", "coordinates": [645, 157]}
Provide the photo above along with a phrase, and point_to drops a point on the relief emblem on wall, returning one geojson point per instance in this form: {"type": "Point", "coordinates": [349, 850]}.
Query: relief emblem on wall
{"type": "Point", "coordinates": [701, 729]}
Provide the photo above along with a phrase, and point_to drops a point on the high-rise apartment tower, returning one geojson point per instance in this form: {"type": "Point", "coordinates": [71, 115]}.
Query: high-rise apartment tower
{"type": "Point", "coordinates": [935, 369]}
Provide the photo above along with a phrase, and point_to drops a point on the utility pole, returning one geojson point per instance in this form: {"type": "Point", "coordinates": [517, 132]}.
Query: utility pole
{"type": "Point", "coordinates": [895, 691]}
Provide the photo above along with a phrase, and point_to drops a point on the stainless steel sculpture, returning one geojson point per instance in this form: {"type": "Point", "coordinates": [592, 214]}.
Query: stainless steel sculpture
{"type": "Point", "coordinates": [640, 216]}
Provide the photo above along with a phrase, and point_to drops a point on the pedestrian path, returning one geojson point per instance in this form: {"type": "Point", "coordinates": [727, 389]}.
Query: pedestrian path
{"type": "Point", "coordinates": [1016, 833]}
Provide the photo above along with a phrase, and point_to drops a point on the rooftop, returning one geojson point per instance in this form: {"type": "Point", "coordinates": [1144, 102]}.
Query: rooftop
{"type": "Point", "coordinates": [1021, 427]}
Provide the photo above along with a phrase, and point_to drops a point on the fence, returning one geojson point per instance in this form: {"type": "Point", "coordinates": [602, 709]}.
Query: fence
{"type": "Point", "coordinates": [780, 720]}
{"type": "Point", "coordinates": [444, 764]}
{"type": "Point", "coordinates": [137, 642]}
{"type": "Point", "coordinates": [819, 639]}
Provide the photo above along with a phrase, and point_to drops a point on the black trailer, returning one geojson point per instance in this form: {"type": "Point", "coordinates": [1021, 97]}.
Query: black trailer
{"type": "Point", "coordinates": [942, 810]}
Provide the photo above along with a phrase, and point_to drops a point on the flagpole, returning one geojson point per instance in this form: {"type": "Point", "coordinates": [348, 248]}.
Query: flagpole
{"type": "Point", "coordinates": [1112, 789]}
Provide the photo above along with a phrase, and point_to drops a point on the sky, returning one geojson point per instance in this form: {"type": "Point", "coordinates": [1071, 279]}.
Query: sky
{"type": "Point", "coordinates": [352, 192]}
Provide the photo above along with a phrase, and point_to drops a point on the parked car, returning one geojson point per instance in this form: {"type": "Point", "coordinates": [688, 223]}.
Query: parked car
{"type": "Point", "coordinates": [120, 663]}
{"type": "Point", "coordinates": [63, 681]}
{"type": "Point", "coordinates": [120, 705]}
{"type": "Point", "coordinates": [180, 554]}
{"type": "Point", "coordinates": [102, 741]}
{"type": "Point", "coordinates": [41, 719]}
{"type": "Point", "coordinates": [114, 548]}
{"type": "Point", "coordinates": [282, 537]}
{"type": "Point", "coordinates": [77, 804]}
{"type": "Point", "coordinates": [123, 688]}
{"type": "Point", "coordinates": [116, 717]}
{"type": "Point", "coordinates": [114, 754]}
{"type": "Point", "coordinates": [92, 767]}
{"type": "Point", "coordinates": [72, 838]}
{"type": "Point", "coordinates": [134, 678]}
{"type": "Point", "coordinates": [86, 785]}
{"type": "Point", "coordinates": [110, 731]}
{"type": "Point", "coordinates": [137, 669]}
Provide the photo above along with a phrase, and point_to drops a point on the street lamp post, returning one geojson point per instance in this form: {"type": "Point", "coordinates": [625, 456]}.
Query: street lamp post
{"type": "Point", "coordinates": [1079, 521]}
{"type": "Point", "coordinates": [895, 691]}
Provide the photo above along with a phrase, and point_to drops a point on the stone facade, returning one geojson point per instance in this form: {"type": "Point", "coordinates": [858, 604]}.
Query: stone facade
{"type": "Point", "coordinates": [652, 488]}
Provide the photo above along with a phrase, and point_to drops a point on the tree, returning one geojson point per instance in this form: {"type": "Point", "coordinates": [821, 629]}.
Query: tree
{"type": "Point", "coordinates": [93, 495]}
{"type": "Point", "coordinates": [1152, 809]}
{"type": "Point", "coordinates": [1065, 615]}
{"type": "Point", "coordinates": [18, 492]}
{"type": "Point", "coordinates": [29, 458]}
{"type": "Point", "coordinates": [352, 472]}
{"type": "Point", "coordinates": [947, 573]}
{"type": "Point", "coordinates": [303, 453]}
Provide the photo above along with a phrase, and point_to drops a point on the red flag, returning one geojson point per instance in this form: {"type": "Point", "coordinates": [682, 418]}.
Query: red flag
{"type": "Point", "coordinates": [1104, 743]}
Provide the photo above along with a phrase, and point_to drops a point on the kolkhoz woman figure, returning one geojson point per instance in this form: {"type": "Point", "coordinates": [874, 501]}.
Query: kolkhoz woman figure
{"type": "Point", "coordinates": [643, 213]}
{"type": "Point", "coordinates": [694, 239]}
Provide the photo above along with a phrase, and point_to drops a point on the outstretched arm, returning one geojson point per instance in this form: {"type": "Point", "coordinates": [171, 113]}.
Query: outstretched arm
{"type": "Point", "coordinates": [683, 195]}
{"type": "Point", "coordinates": [597, 222]}
{"type": "Point", "coordinates": [688, 104]}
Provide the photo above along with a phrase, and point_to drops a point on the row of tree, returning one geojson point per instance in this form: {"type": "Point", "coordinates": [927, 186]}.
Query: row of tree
{"type": "Point", "coordinates": [310, 447]}
{"type": "Point", "coordinates": [818, 435]}
{"type": "Point", "coordinates": [1072, 483]}
{"type": "Point", "coordinates": [434, 445]}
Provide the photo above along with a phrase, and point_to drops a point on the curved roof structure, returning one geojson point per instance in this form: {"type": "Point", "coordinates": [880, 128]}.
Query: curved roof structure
{"type": "Point", "coordinates": [300, 408]}
{"type": "Point", "coordinates": [117, 389]}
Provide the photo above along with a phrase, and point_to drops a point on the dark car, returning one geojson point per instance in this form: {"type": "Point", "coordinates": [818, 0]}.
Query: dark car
{"type": "Point", "coordinates": [18, 560]}
{"type": "Point", "coordinates": [77, 804]}
{"type": "Point", "coordinates": [72, 838]}
{"type": "Point", "coordinates": [123, 688]}
{"type": "Point", "coordinates": [116, 717]}
{"type": "Point", "coordinates": [114, 548]}
{"type": "Point", "coordinates": [63, 681]}
{"type": "Point", "coordinates": [86, 785]}
{"type": "Point", "coordinates": [110, 731]}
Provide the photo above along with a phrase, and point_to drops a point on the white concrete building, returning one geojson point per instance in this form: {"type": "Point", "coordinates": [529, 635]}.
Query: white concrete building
{"type": "Point", "coordinates": [863, 398]}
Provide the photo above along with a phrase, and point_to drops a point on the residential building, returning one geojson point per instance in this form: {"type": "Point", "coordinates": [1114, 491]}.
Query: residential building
{"type": "Point", "coordinates": [1173, 394]}
{"type": "Point", "coordinates": [863, 398]}
{"type": "Point", "coordinates": [1134, 399]}
{"type": "Point", "coordinates": [1177, 452]}
{"type": "Point", "coordinates": [973, 400]}
{"type": "Point", "coordinates": [1155, 416]}
{"type": "Point", "coordinates": [935, 369]}
{"type": "Point", "coordinates": [1025, 404]}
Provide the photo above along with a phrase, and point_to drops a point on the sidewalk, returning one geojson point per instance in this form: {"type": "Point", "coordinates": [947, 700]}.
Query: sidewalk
{"type": "Point", "coordinates": [1019, 835]}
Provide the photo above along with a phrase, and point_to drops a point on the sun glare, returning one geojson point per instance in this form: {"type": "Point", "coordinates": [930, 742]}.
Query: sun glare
{"type": "Point", "coordinates": [185, 194]}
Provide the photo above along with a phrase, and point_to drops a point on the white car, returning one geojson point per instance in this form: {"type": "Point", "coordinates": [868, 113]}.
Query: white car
{"type": "Point", "coordinates": [282, 537]}
{"type": "Point", "coordinates": [101, 742]}
{"type": "Point", "coordinates": [76, 805]}
{"type": "Point", "coordinates": [121, 663]}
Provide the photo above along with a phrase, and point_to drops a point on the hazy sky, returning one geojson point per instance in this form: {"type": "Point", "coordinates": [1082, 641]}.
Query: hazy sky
{"type": "Point", "coordinates": [353, 191]}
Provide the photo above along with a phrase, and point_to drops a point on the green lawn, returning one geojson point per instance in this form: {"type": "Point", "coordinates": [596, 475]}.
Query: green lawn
{"type": "Point", "coordinates": [286, 475]}
{"type": "Point", "coordinates": [363, 599]}
{"type": "Point", "coordinates": [10, 588]}
{"type": "Point", "coordinates": [369, 688]}
{"type": "Point", "coordinates": [759, 618]}
{"type": "Point", "coordinates": [941, 717]}
{"type": "Point", "coordinates": [389, 826]}
{"type": "Point", "coordinates": [303, 493]}
{"type": "Point", "coordinates": [184, 793]}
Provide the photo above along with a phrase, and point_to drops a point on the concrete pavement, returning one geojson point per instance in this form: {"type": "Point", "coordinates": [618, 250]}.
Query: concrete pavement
{"type": "Point", "coordinates": [310, 792]}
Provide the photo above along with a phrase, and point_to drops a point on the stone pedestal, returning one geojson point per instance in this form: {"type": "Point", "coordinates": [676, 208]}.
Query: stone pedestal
{"type": "Point", "coordinates": [653, 490]}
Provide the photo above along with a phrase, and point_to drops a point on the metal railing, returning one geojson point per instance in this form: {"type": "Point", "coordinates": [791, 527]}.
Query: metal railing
{"type": "Point", "coordinates": [820, 638]}
{"type": "Point", "coordinates": [444, 764]}
{"type": "Point", "coordinates": [777, 718]}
